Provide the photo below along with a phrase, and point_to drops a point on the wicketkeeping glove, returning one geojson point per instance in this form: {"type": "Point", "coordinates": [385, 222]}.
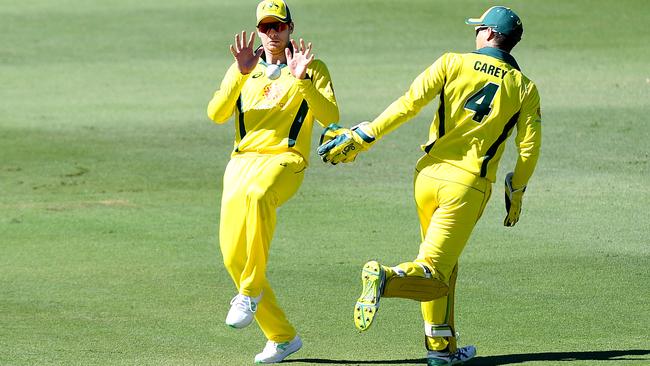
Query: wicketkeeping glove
{"type": "Point", "coordinates": [345, 146]}
{"type": "Point", "coordinates": [331, 132]}
{"type": "Point", "coordinates": [513, 201]}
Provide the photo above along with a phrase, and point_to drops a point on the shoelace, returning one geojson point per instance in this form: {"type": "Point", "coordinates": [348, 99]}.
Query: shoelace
{"type": "Point", "coordinates": [244, 303]}
{"type": "Point", "coordinates": [458, 355]}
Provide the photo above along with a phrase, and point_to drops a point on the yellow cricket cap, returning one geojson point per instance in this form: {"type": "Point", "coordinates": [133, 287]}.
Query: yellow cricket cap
{"type": "Point", "coordinates": [277, 9]}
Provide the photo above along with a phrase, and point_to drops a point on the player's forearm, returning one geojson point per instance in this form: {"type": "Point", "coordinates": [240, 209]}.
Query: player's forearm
{"type": "Point", "coordinates": [527, 160]}
{"type": "Point", "coordinates": [394, 116]}
{"type": "Point", "coordinates": [220, 108]}
{"type": "Point", "coordinates": [222, 104]}
{"type": "Point", "coordinates": [529, 142]}
{"type": "Point", "coordinates": [523, 171]}
{"type": "Point", "coordinates": [324, 107]}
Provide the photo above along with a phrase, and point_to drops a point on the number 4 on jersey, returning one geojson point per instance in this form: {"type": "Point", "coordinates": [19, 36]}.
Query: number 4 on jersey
{"type": "Point", "coordinates": [481, 101]}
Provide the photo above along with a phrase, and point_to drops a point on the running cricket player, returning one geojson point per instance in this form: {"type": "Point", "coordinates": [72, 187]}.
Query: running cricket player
{"type": "Point", "coordinates": [275, 93]}
{"type": "Point", "coordinates": [483, 97]}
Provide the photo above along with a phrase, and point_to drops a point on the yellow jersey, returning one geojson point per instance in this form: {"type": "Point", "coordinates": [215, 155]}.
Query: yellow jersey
{"type": "Point", "coordinates": [274, 116]}
{"type": "Point", "coordinates": [483, 96]}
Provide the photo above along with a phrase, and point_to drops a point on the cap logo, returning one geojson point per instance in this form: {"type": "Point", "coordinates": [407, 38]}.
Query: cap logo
{"type": "Point", "coordinates": [271, 5]}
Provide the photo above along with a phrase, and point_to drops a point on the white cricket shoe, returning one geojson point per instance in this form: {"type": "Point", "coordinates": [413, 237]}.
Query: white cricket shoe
{"type": "Point", "coordinates": [242, 311]}
{"type": "Point", "coordinates": [445, 358]}
{"type": "Point", "coordinates": [276, 352]}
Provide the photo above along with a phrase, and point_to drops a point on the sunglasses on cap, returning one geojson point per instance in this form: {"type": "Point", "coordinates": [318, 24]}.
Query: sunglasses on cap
{"type": "Point", "coordinates": [276, 26]}
{"type": "Point", "coordinates": [478, 29]}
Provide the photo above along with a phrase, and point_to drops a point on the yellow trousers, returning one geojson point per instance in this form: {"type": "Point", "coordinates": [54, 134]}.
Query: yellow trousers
{"type": "Point", "coordinates": [254, 186]}
{"type": "Point", "coordinates": [449, 202]}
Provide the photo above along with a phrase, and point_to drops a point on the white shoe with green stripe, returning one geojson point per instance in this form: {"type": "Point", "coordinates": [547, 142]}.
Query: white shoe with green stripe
{"type": "Point", "coordinates": [242, 311]}
{"type": "Point", "coordinates": [461, 355]}
{"type": "Point", "coordinates": [276, 352]}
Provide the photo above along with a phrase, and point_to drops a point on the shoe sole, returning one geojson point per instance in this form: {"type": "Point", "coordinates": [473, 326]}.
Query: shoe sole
{"type": "Point", "coordinates": [454, 360]}
{"type": "Point", "coordinates": [372, 277]}
{"type": "Point", "coordinates": [431, 362]}
{"type": "Point", "coordinates": [239, 326]}
{"type": "Point", "coordinates": [446, 363]}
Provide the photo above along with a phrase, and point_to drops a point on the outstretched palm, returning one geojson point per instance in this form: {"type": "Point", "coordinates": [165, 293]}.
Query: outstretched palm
{"type": "Point", "coordinates": [244, 54]}
{"type": "Point", "coordinates": [300, 59]}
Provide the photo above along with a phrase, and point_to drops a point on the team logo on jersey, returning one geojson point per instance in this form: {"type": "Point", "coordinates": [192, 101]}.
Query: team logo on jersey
{"type": "Point", "coordinates": [271, 94]}
{"type": "Point", "coordinates": [256, 75]}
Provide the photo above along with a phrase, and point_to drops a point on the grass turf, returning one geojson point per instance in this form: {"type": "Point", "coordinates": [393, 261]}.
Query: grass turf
{"type": "Point", "coordinates": [110, 182]}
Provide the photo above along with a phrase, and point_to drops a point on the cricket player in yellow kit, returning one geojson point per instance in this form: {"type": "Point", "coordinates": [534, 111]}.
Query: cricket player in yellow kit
{"type": "Point", "coordinates": [483, 97]}
{"type": "Point", "coordinates": [275, 92]}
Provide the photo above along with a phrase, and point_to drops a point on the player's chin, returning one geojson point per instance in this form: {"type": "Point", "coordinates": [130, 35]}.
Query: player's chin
{"type": "Point", "coordinates": [275, 46]}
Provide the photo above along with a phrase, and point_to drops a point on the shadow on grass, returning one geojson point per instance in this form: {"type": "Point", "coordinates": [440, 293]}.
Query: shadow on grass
{"type": "Point", "coordinates": [414, 361]}
{"type": "Point", "coordinates": [502, 359]}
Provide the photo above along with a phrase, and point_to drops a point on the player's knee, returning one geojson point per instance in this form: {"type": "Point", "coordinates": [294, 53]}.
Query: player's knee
{"type": "Point", "coordinates": [440, 270]}
{"type": "Point", "coordinates": [259, 194]}
{"type": "Point", "coordinates": [428, 264]}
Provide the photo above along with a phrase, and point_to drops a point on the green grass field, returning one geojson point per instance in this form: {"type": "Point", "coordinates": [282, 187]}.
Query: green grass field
{"type": "Point", "coordinates": [110, 183]}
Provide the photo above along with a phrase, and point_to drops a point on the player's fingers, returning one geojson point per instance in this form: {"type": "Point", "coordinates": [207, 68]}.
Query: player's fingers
{"type": "Point", "coordinates": [232, 50]}
{"type": "Point", "coordinates": [251, 40]}
{"type": "Point", "coordinates": [242, 43]}
{"type": "Point", "coordinates": [237, 43]}
{"type": "Point", "coordinates": [332, 159]}
{"type": "Point", "coordinates": [287, 53]}
{"type": "Point", "coordinates": [307, 51]}
{"type": "Point", "coordinates": [324, 149]}
{"type": "Point", "coordinates": [293, 44]}
{"type": "Point", "coordinates": [259, 51]}
{"type": "Point", "coordinates": [302, 45]}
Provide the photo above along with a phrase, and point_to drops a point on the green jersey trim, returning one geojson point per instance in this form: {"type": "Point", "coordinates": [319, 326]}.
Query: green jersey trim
{"type": "Point", "coordinates": [297, 123]}
{"type": "Point", "coordinates": [489, 154]}
{"type": "Point", "coordinates": [441, 111]}
{"type": "Point", "coordinates": [499, 54]}
{"type": "Point", "coordinates": [240, 120]}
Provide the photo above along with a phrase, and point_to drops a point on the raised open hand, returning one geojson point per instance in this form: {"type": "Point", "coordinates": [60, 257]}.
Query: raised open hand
{"type": "Point", "coordinates": [300, 59]}
{"type": "Point", "coordinates": [243, 52]}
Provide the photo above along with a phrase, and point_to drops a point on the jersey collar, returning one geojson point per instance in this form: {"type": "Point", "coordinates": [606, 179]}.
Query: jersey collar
{"type": "Point", "coordinates": [263, 62]}
{"type": "Point", "coordinates": [263, 57]}
{"type": "Point", "coordinates": [499, 54]}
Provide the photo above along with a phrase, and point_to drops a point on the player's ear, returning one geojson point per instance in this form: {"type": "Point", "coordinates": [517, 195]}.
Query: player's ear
{"type": "Point", "coordinates": [491, 34]}
{"type": "Point", "coordinates": [290, 27]}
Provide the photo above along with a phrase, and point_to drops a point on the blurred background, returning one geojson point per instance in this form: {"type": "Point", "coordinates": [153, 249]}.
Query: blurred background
{"type": "Point", "coordinates": [110, 183]}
